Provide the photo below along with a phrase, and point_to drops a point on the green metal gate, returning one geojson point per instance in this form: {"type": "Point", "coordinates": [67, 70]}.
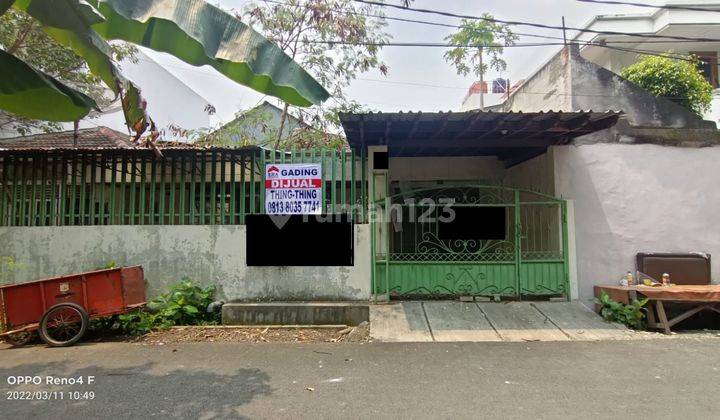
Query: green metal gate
{"type": "Point", "coordinates": [410, 258]}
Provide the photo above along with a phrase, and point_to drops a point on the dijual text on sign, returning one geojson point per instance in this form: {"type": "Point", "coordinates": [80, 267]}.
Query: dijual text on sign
{"type": "Point", "coordinates": [293, 188]}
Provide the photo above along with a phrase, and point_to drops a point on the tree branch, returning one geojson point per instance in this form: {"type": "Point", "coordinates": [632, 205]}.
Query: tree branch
{"type": "Point", "coordinates": [22, 36]}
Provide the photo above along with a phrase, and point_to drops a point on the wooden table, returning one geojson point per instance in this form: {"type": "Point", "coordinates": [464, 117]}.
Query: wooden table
{"type": "Point", "coordinates": [698, 297]}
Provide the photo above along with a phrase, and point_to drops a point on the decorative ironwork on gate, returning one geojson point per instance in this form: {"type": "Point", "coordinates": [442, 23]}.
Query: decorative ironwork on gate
{"type": "Point", "coordinates": [412, 257]}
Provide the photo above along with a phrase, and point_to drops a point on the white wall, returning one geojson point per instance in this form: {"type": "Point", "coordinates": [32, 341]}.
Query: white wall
{"type": "Point", "coordinates": [633, 198]}
{"type": "Point", "coordinates": [714, 113]}
{"type": "Point", "coordinates": [169, 100]}
{"type": "Point", "coordinates": [206, 254]}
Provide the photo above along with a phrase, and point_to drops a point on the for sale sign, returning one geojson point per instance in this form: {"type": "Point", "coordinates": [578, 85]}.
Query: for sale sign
{"type": "Point", "coordinates": [293, 188]}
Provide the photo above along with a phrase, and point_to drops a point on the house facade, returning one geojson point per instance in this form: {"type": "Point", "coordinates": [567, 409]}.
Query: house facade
{"type": "Point", "coordinates": [550, 194]}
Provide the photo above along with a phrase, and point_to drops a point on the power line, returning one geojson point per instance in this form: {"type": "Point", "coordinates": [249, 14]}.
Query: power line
{"type": "Point", "coordinates": [430, 44]}
{"type": "Point", "coordinates": [666, 7]}
{"type": "Point", "coordinates": [448, 25]}
{"type": "Point", "coordinates": [399, 19]}
{"type": "Point", "coordinates": [531, 24]}
{"type": "Point", "coordinates": [531, 44]}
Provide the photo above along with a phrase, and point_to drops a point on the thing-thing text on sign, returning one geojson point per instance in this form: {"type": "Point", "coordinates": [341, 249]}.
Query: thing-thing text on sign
{"type": "Point", "coordinates": [293, 188]}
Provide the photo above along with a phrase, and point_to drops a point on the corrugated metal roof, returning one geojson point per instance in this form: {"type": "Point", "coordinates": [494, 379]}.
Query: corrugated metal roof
{"type": "Point", "coordinates": [508, 135]}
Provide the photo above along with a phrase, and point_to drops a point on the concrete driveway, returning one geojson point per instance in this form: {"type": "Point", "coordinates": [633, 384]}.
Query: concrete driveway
{"type": "Point", "coordinates": [490, 321]}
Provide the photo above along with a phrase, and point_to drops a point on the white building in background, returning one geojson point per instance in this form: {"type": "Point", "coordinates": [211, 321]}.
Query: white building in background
{"type": "Point", "coordinates": [169, 100]}
{"type": "Point", "coordinates": [663, 22]}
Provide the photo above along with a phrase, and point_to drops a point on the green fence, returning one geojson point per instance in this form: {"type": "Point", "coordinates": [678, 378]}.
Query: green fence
{"type": "Point", "coordinates": [186, 186]}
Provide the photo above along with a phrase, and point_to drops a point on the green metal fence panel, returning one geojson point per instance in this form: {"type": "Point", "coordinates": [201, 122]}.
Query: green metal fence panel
{"type": "Point", "coordinates": [43, 191]}
{"type": "Point", "coordinates": [213, 189]}
{"type": "Point", "coordinates": [243, 199]}
{"type": "Point", "coordinates": [92, 186]}
{"type": "Point", "coordinates": [133, 190]}
{"type": "Point", "coordinates": [101, 190]}
{"type": "Point", "coordinates": [183, 188]}
{"type": "Point", "coordinates": [223, 197]}
{"type": "Point", "coordinates": [233, 187]}
{"type": "Point", "coordinates": [173, 187]}
{"type": "Point", "coordinates": [137, 187]}
{"type": "Point", "coordinates": [203, 175]}
{"type": "Point", "coordinates": [193, 185]}
{"type": "Point", "coordinates": [152, 201]}
{"type": "Point", "coordinates": [32, 191]}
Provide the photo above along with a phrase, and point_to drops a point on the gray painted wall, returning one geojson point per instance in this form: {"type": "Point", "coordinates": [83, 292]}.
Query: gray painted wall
{"type": "Point", "coordinates": [633, 198]}
{"type": "Point", "coordinates": [547, 89]}
{"type": "Point", "coordinates": [206, 254]}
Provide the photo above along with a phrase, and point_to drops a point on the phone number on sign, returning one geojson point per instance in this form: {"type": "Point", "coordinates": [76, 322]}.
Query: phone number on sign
{"type": "Point", "coordinates": [49, 395]}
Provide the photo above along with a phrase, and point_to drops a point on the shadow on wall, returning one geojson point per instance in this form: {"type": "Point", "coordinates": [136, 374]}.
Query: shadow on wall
{"type": "Point", "coordinates": [178, 393]}
{"type": "Point", "coordinates": [597, 246]}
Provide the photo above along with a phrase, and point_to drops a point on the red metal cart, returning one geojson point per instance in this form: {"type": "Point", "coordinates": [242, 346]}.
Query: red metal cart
{"type": "Point", "coordinates": [60, 308]}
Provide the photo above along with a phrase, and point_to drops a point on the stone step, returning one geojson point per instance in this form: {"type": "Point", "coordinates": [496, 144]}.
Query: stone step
{"type": "Point", "coordinates": [295, 313]}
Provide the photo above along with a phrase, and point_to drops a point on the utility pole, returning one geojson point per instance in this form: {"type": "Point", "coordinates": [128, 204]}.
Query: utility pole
{"type": "Point", "coordinates": [563, 29]}
{"type": "Point", "coordinates": [482, 92]}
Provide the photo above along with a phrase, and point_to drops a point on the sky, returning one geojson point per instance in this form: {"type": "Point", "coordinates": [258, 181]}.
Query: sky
{"type": "Point", "coordinates": [419, 79]}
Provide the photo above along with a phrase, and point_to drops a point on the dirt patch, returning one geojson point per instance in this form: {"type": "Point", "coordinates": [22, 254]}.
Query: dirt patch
{"type": "Point", "coordinates": [223, 334]}
{"type": "Point", "coordinates": [255, 335]}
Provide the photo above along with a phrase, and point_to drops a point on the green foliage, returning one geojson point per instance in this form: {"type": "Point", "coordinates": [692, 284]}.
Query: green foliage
{"type": "Point", "coordinates": [680, 81]}
{"type": "Point", "coordinates": [24, 37]}
{"type": "Point", "coordinates": [8, 266]}
{"type": "Point", "coordinates": [191, 30]}
{"type": "Point", "coordinates": [184, 304]}
{"type": "Point", "coordinates": [493, 36]}
{"type": "Point", "coordinates": [293, 25]}
{"type": "Point", "coordinates": [629, 315]}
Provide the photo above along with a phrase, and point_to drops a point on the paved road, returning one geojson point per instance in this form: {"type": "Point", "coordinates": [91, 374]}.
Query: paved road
{"type": "Point", "coordinates": [671, 378]}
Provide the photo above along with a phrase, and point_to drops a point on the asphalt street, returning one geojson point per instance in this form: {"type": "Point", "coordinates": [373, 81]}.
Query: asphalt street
{"type": "Point", "coordinates": [669, 378]}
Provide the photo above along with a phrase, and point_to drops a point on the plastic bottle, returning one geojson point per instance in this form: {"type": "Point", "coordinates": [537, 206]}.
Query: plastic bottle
{"type": "Point", "coordinates": [630, 279]}
{"type": "Point", "coordinates": [666, 279]}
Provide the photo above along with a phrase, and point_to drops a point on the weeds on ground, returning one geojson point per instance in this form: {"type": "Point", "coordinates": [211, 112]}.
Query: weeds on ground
{"type": "Point", "coordinates": [631, 315]}
{"type": "Point", "coordinates": [184, 304]}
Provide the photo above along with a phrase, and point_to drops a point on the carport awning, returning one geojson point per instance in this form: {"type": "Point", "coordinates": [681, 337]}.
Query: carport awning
{"type": "Point", "coordinates": [513, 137]}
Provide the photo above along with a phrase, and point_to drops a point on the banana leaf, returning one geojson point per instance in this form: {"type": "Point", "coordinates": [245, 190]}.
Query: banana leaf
{"type": "Point", "coordinates": [192, 30]}
{"type": "Point", "coordinates": [32, 94]}
{"type": "Point", "coordinates": [69, 23]}
{"type": "Point", "coordinates": [201, 34]}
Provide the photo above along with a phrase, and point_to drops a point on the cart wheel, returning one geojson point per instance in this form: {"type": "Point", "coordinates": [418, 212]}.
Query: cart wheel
{"type": "Point", "coordinates": [19, 339]}
{"type": "Point", "coordinates": [63, 324]}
